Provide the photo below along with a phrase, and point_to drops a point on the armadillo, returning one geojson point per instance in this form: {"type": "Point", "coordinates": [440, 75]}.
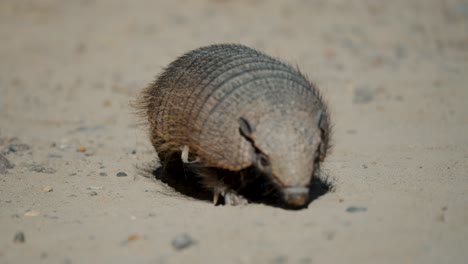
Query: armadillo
{"type": "Point", "coordinates": [228, 109]}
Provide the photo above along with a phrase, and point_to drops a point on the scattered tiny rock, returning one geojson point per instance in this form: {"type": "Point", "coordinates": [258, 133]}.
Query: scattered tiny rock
{"type": "Point", "coordinates": [121, 174]}
{"type": "Point", "coordinates": [17, 147]}
{"type": "Point", "coordinates": [53, 155]}
{"type": "Point", "coordinates": [133, 237]}
{"type": "Point", "coordinates": [356, 209]}
{"type": "Point", "coordinates": [32, 213]}
{"type": "Point", "coordinates": [47, 189]}
{"type": "Point", "coordinates": [81, 149]}
{"type": "Point", "coordinates": [19, 237]}
{"type": "Point", "coordinates": [93, 193]}
{"type": "Point", "coordinates": [363, 95]}
{"type": "Point", "coordinates": [182, 241]}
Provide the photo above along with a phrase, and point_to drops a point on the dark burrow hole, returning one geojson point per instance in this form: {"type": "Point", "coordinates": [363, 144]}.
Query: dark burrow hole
{"type": "Point", "coordinates": [257, 190]}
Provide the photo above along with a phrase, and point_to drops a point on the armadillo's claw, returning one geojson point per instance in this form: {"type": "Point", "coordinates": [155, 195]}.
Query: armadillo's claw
{"type": "Point", "coordinates": [232, 198]}
{"type": "Point", "coordinates": [185, 155]}
{"type": "Point", "coordinates": [215, 197]}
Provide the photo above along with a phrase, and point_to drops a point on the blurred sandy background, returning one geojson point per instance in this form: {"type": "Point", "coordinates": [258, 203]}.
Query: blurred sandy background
{"type": "Point", "coordinates": [394, 74]}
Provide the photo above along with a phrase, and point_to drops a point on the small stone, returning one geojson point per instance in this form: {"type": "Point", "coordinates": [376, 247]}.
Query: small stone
{"type": "Point", "coordinates": [32, 213]}
{"type": "Point", "coordinates": [81, 149]}
{"type": "Point", "coordinates": [17, 147]}
{"type": "Point", "coordinates": [95, 188]}
{"type": "Point", "coordinates": [47, 189]}
{"type": "Point", "coordinates": [133, 152]}
{"type": "Point", "coordinates": [133, 237]}
{"type": "Point", "coordinates": [102, 174]}
{"type": "Point", "coordinates": [356, 209]}
{"type": "Point", "coordinates": [182, 241]}
{"type": "Point", "coordinates": [364, 166]}
{"type": "Point", "coordinates": [53, 155]}
{"type": "Point", "coordinates": [19, 237]}
{"type": "Point", "coordinates": [363, 95]}
{"type": "Point", "coordinates": [93, 193]}
{"type": "Point", "coordinates": [121, 174]}
{"type": "Point", "coordinates": [12, 148]}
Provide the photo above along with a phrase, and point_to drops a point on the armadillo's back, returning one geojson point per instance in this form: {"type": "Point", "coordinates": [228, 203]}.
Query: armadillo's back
{"type": "Point", "coordinates": [199, 98]}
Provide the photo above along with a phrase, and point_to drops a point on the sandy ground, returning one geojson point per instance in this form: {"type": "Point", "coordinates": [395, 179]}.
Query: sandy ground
{"type": "Point", "coordinates": [394, 74]}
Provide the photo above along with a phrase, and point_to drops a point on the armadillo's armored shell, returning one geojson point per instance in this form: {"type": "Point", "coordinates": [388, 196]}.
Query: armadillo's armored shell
{"type": "Point", "coordinates": [199, 98]}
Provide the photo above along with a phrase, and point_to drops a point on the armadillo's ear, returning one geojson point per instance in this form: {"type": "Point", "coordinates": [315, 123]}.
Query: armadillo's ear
{"type": "Point", "coordinates": [323, 126]}
{"type": "Point", "coordinates": [318, 117]}
{"type": "Point", "coordinates": [246, 129]}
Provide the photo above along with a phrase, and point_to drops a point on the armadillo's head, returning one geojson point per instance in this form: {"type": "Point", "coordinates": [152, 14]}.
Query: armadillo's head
{"type": "Point", "coordinates": [289, 149]}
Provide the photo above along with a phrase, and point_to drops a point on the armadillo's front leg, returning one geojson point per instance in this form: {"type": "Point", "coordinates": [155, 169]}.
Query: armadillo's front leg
{"type": "Point", "coordinates": [230, 196]}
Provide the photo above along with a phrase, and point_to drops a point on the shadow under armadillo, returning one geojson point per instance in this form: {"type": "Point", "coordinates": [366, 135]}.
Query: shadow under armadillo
{"type": "Point", "coordinates": [257, 189]}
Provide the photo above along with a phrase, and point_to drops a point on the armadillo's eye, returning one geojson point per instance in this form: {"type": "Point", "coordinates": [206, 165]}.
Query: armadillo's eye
{"type": "Point", "coordinates": [264, 162]}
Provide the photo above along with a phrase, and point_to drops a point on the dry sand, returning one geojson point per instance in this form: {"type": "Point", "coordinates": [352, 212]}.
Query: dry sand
{"type": "Point", "coordinates": [393, 72]}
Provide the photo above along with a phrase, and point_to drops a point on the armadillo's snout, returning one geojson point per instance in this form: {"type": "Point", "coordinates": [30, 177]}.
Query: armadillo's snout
{"type": "Point", "coordinates": [296, 196]}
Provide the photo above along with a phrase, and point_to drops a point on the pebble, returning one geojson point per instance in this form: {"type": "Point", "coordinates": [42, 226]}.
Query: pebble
{"type": "Point", "coordinates": [93, 193]}
{"type": "Point", "coordinates": [32, 213]}
{"type": "Point", "coordinates": [53, 155]}
{"type": "Point", "coordinates": [182, 241]}
{"type": "Point", "coordinates": [102, 174]}
{"type": "Point", "coordinates": [81, 149]}
{"type": "Point", "coordinates": [47, 189]}
{"type": "Point", "coordinates": [19, 237]}
{"type": "Point", "coordinates": [16, 147]}
{"type": "Point", "coordinates": [133, 237]}
{"type": "Point", "coordinates": [121, 174]}
{"type": "Point", "coordinates": [356, 209]}
{"type": "Point", "coordinates": [363, 95]}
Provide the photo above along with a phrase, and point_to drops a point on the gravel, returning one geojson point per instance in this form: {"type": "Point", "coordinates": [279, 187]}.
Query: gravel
{"type": "Point", "coordinates": [363, 95]}
{"type": "Point", "coordinates": [19, 237]}
{"type": "Point", "coordinates": [182, 241]}
{"type": "Point", "coordinates": [121, 174]}
{"type": "Point", "coordinates": [356, 209]}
